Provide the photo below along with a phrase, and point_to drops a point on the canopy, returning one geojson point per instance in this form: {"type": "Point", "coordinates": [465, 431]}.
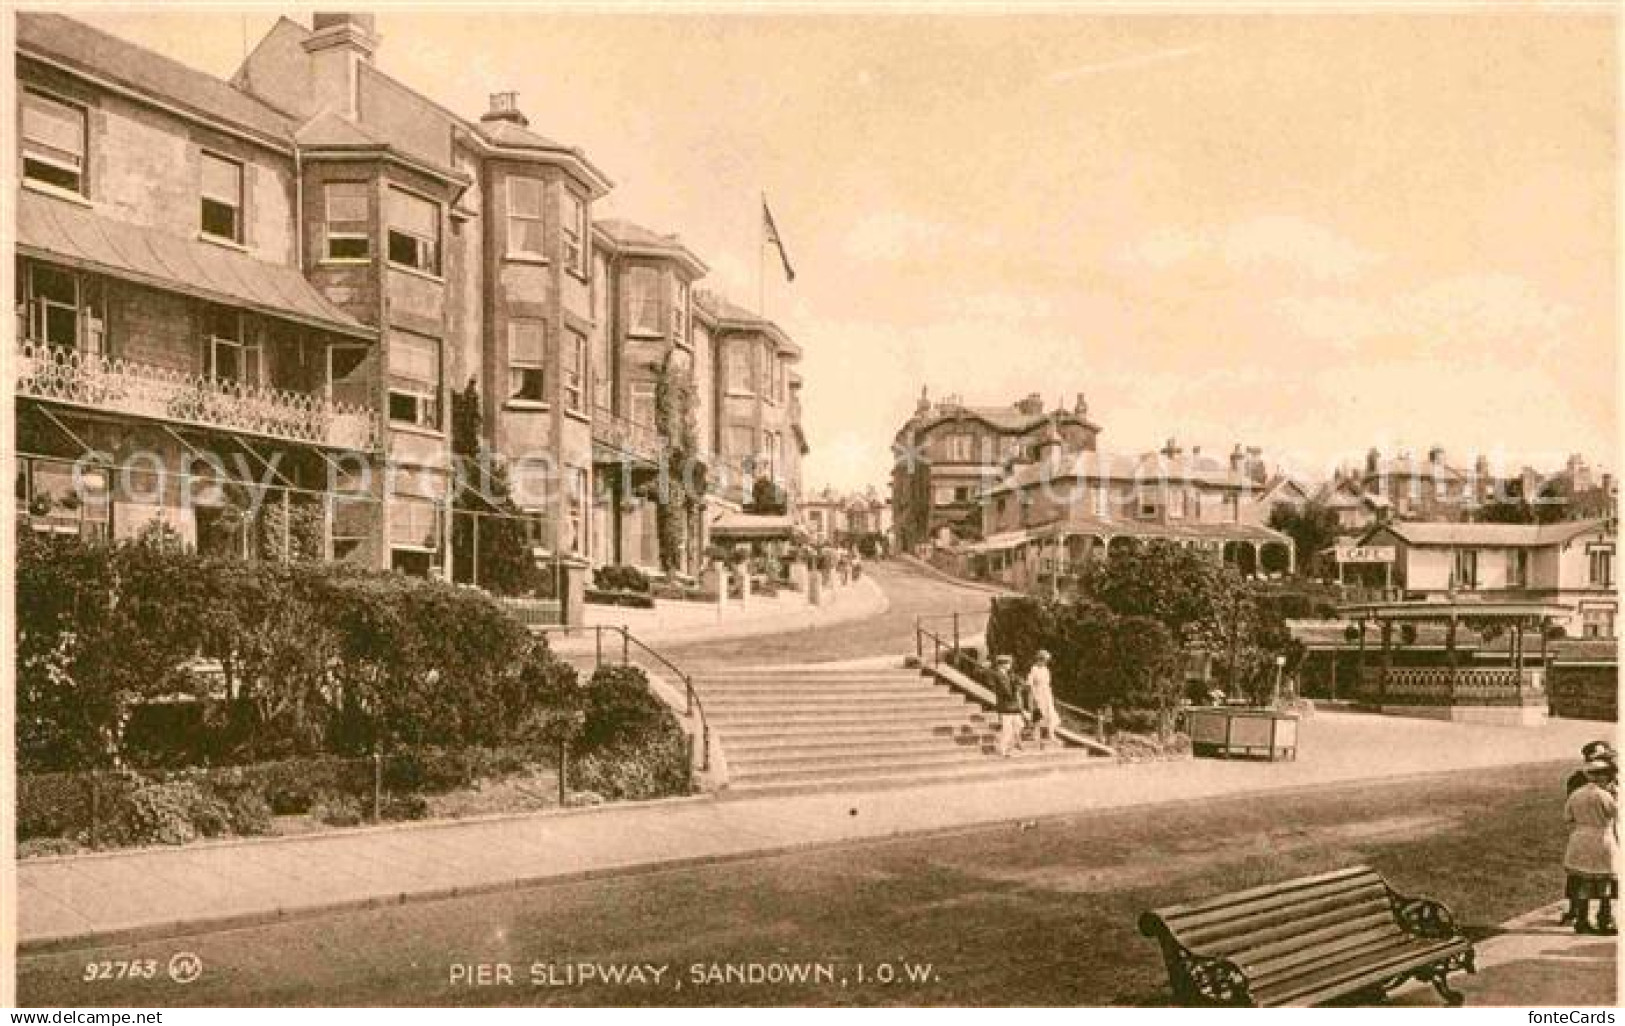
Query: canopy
{"type": "Point", "coordinates": [753, 527]}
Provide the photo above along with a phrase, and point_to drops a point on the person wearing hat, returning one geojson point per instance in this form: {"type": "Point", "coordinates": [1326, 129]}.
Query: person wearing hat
{"type": "Point", "coordinates": [1007, 700]}
{"type": "Point", "coordinates": [1589, 752]}
{"type": "Point", "coordinates": [1043, 698]}
{"type": "Point", "coordinates": [1593, 849]}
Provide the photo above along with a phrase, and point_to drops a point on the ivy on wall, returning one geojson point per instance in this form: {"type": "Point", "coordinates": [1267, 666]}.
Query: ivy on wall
{"type": "Point", "coordinates": [678, 503]}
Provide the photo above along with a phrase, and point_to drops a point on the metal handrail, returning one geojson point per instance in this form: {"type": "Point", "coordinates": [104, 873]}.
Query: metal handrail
{"type": "Point", "coordinates": [692, 706]}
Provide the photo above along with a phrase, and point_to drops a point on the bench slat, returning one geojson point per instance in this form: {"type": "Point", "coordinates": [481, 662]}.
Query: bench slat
{"type": "Point", "coordinates": [1237, 897]}
{"type": "Point", "coordinates": [1187, 923]}
{"type": "Point", "coordinates": [1331, 981]}
{"type": "Point", "coordinates": [1276, 966]}
{"type": "Point", "coordinates": [1312, 930]}
{"type": "Point", "coordinates": [1373, 897]}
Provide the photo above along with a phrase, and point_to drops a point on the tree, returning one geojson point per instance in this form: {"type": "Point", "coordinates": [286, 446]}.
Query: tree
{"type": "Point", "coordinates": [489, 544]}
{"type": "Point", "coordinates": [767, 498]}
{"type": "Point", "coordinates": [678, 504]}
{"type": "Point", "coordinates": [1312, 528]}
{"type": "Point", "coordinates": [1507, 511]}
{"type": "Point", "coordinates": [1146, 663]}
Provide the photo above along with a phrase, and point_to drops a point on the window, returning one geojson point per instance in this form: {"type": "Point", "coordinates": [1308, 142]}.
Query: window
{"type": "Point", "coordinates": [530, 485]}
{"type": "Point", "coordinates": [414, 380]}
{"type": "Point", "coordinates": [525, 219]}
{"type": "Point", "coordinates": [414, 523]}
{"type": "Point", "coordinates": [53, 310]}
{"type": "Point", "coordinates": [1466, 568]}
{"type": "Point", "coordinates": [1597, 622]}
{"type": "Point", "coordinates": [347, 374]}
{"type": "Point", "coordinates": [414, 231]}
{"type": "Point", "coordinates": [739, 368]}
{"type": "Point", "coordinates": [577, 508]}
{"type": "Point", "coordinates": [1602, 567]}
{"type": "Point", "coordinates": [960, 448]}
{"type": "Point", "coordinates": [741, 441]}
{"type": "Point", "coordinates": [58, 503]}
{"type": "Point", "coordinates": [575, 233]}
{"type": "Point", "coordinates": [221, 192]}
{"type": "Point", "coordinates": [679, 312]}
{"type": "Point", "coordinates": [575, 370]}
{"type": "Point", "coordinates": [53, 139]}
{"type": "Point", "coordinates": [1103, 502]}
{"type": "Point", "coordinates": [347, 224]}
{"type": "Point", "coordinates": [943, 495]}
{"type": "Point", "coordinates": [643, 404]}
{"type": "Point", "coordinates": [603, 380]}
{"type": "Point", "coordinates": [643, 301]}
{"type": "Point", "coordinates": [527, 361]}
{"type": "Point", "coordinates": [1517, 568]}
{"type": "Point", "coordinates": [1176, 504]}
{"type": "Point", "coordinates": [230, 356]}
{"type": "Point", "coordinates": [1146, 504]}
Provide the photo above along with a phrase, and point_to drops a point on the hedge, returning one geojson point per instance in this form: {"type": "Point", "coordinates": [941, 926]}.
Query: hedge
{"type": "Point", "coordinates": [279, 660]}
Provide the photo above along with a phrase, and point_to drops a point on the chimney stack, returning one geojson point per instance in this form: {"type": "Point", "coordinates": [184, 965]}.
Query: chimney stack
{"type": "Point", "coordinates": [338, 44]}
{"type": "Point", "coordinates": [505, 107]}
{"type": "Point", "coordinates": [1172, 450]}
{"type": "Point", "coordinates": [1372, 458]}
{"type": "Point", "coordinates": [1081, 406]}
{"type": "Point", "coordinates": [1238, 459]}
{"type": "Point", "coordinates": [1436, 455]}
{"type": "Point", "coordinates": [1032, 406]}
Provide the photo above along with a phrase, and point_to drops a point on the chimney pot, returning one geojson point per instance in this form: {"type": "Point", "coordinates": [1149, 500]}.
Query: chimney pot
{"type": "Point", "coordinates": [505, 107]}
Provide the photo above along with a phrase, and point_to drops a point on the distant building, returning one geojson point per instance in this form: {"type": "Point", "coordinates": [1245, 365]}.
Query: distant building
{"type": "Point", "coordinates": [1570, 562]}
{"type": "Point", "coordinates": [947, 452]}
{"type": "Point", "coordinates": [831, 516]}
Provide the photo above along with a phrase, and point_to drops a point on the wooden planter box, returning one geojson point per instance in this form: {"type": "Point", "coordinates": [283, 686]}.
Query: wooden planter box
{"type": "Point", "coordinates": [1221, 732]}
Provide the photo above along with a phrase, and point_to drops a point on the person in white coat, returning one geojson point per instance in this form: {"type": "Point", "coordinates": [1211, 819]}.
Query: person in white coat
{"type": "Point", "coordinates": [1043, 697]}
{"type": "Point", "coordinates": [1593, 849]}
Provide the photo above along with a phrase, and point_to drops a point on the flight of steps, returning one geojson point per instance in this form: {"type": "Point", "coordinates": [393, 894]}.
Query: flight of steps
{"type": "Point", "coordinates": [807, 730]}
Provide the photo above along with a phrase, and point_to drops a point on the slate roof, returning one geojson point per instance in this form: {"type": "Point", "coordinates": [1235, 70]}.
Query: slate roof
{"type": "Point", "coordinates": [96, 52]}
{"type": "Point", "coordinates": [1423, 532]}
{"type": "Point", "coordinates": [626, 235]}
{"type": "Point", "coordinates": [58, 230]}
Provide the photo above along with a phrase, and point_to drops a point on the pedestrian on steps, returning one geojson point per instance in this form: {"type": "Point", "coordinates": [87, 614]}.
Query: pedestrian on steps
{"type": "Point", "coordinates": [1042, 698]}
{"type": "Point", "coordinates": [1007, 702]}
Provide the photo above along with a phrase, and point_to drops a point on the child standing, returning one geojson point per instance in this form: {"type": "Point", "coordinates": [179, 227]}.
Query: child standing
{"type": "Point", "coordinates": [1592, 814]}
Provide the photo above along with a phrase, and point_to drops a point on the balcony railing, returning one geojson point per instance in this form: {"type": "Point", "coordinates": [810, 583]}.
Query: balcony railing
{"type": "Point", "coordinates": [629, 438]}
{"type": "Point", "coordinates": [1465, 685]}
{"type": "Point", "coordinates": [142, 390]}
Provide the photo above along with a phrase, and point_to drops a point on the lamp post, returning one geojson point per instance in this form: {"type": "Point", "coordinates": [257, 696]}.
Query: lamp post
{"type": "Point", "coordinates": [1275, 692]}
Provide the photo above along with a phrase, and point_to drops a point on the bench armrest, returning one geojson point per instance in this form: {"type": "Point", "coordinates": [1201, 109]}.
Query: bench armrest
{"type": "Point", "coordinates": [1197, 979]}
{"type": "Point", "coordinates": [1424, 917]}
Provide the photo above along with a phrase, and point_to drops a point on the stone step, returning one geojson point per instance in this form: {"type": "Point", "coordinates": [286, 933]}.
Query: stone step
{"type": "Point", "coordinates": [796, 769]}
{"type": "Point", "coordinates": [879, 712]}
{"type": "Point", "coordinates": [891, 778]}
{"type": "Point", "coordinates": [736, 737]}
{"type": "Point", "coordinates": [743, 757]}
{"type": "Point", "coordinates": [778, 690]}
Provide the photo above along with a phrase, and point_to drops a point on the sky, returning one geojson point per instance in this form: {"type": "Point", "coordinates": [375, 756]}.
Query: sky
{"type": "Point", "coordinates": [1313, 233]}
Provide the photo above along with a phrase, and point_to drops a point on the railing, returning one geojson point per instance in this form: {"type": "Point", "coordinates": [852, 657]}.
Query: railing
{"type": "Point", "coordinates": [923, 634]}
{"type": "Point", "coordinates": [692, 706]}
{"type": "Point", "coordinates": [640, 441]}
{"type": "Point", "coordinates": [1464, 685]}
{"type": "Point", "coordinates": [126, 386]}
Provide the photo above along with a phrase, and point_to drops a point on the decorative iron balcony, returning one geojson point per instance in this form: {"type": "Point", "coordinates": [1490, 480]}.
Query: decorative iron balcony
{"type": "Point", "coordinates": [69, 376]}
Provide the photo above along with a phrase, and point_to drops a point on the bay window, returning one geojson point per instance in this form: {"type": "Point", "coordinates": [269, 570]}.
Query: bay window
{"type": "Point", "coordinates": [679, 312]}
{"type": "Point", "coordinates": [347, 225]}
{"type": "Point", "coordinates": [643, 404]}
{"type": "Point", "coordinates": [643, 301]}
{"type": "Point", "coordinates": [527, 361]}
{"type": "Point", "coordinates": [738, 368]}
{"type": "Point", "coordinates": [414, 231]}
{"type": "Point", "coordinates": [575, 233]}
{"type": "Point", "coordinates": [526, 235]}
{"type": "Point", "coordinates": [414, 380]}
{"type": "Point", "coordinates": [575, 370]}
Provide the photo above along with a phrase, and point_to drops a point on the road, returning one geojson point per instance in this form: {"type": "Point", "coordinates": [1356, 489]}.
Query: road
{"type": "Point", "coordinates": [910, 591]}
{"type": "Point", "coordinates": [1040, 913]}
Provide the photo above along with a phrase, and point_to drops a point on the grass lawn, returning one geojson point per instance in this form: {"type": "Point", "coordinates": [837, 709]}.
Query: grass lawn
{"type": "Point", "coordinates": [1038, 913]}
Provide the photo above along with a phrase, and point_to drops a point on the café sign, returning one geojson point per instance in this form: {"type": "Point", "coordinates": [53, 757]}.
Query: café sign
{"type": "Point", "coordinates": [1365, 553]}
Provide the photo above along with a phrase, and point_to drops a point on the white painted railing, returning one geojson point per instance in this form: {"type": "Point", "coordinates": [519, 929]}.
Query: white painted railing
{"type": "Point", "coordinates": [142, 390]}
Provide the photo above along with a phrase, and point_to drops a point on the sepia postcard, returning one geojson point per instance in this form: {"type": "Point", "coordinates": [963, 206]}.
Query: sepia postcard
{"type": "Point", "coordinates": [944, 506]}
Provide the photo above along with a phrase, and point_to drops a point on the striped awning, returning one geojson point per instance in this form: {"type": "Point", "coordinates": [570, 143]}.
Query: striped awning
{"type": "Point", "coordinates": [63, 232]}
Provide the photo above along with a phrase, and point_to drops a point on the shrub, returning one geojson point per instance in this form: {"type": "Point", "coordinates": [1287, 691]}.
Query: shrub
{"type": "Point", "coordinates": [337, 810]}
{"type": "Point", "coordinates": [628, 599]}
{"type": "Point", "coordinates": [620, 578]}
{"type": "Point", "coordinates": [177, 812]}
{"type": "Point", "coordinates": [45, 847]}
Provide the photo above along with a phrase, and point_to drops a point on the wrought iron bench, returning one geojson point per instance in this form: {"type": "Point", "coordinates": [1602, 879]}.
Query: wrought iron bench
{"type": "Point", "coordinates": [1307, 942]}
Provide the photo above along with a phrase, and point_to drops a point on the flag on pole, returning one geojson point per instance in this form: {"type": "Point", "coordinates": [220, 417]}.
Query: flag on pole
{"type": "Point", "coordinates": [770, 234]}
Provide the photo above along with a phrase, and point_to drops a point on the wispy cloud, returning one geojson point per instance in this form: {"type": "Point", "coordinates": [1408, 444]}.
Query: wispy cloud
{"type": "Point", "coordinates": [1138, 60]}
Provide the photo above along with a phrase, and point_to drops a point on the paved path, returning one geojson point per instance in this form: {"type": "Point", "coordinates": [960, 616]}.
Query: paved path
{"type": "Point", "coordinates": [1533, 961]}
{"type": "Point", "coordinates": [155, 892]}
{"type": "Point", "coordinates": [910, 592]}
